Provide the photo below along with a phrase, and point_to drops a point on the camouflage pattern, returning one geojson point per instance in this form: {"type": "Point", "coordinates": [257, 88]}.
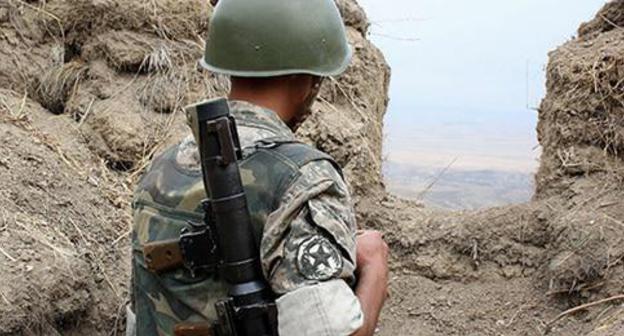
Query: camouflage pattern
{"type": "Point", "coordinates": [316, 205]}
{"type": "Point", "coordinates": [301, 213]}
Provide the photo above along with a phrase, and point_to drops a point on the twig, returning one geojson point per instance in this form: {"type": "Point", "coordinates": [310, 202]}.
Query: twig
{"type": "Point", "coordinates": [606, 205]}
{"type": "Point", "coordinates": [436, 179]}
{"type": "Point", "coordinates": [84, 239]}
{"type": "Point", "coordinates": [607, 20]}
{"type": "Point", "coordinates": [122, 304]}
{"type": "Point", "coordinates": [84, 116]}
{"type": "Point", "coordinates": [610, 320]}
{"type": "Point", "coordinates": [475, 251]}
{"type": "Point", "coordinates": [396, 38]}
{"type": "Point", "coordinates": [7, 255]}
{"type": "Point", "coordinates": [21, 110]}
{"type": "Point", "coordinates": [614, 220]}
{"type": "Point", "coordinates": [5, 298]}
{"type": "Point", "coordinates": [330, 105]}
{"type": "Point", "coordinates": [40, 237]}
{"type": "Point", "coordinates": [585, 306]}
{"type": "Point", "coordinates": [124, 235]}
{"type": "Point", "coordinates": [349, 97]}
{"type": "Point", "coordinates": [517, 313]}
{"type": "Point", "coordinates": [56, 18]}
{"type": "Point", "coordinates": [124, 88]}
{"type": "Point", "coordinates": [108, 280]}
{"type": "Point", "coordinates": [603, 313]}
{"type": "Point", "coordinates": [513, 317]}
{"type": "Point", "coordinates": [582, 287]}
{"type": "Point", "coordinates": [97, 261]}
{"type": "Point", "coordinates": [537, 328]}
{"type": "Point", "coordinates": [6, 106]}
{"type": "Point", "coordinates": [399, 20]}
{"type": "Point", "coordinates": [39, 10]}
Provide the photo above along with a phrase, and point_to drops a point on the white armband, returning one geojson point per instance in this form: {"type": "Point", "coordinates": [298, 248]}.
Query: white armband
{"type": "Point", "coordinates": [327, 309]}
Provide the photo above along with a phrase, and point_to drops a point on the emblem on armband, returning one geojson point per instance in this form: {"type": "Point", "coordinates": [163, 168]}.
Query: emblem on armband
{"type": "Point", "coordinates": [318, 259]}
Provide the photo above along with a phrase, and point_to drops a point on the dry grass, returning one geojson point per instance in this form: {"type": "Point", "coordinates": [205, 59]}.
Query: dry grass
{"type": "Point", "coordinates": [13, 113]}
{"type": "Point", "coordinates": [167, 19]}
{"type": "Point", "coordinates": [58, 84]}
{"type": "Point", "coordinates": [16, 111]}
{"type": "Point", "coordinates": [581, 126]}
{"type": "Point", "coordinates": [610, 17]}
{"type": "Point", "coordinates": [133, 52]}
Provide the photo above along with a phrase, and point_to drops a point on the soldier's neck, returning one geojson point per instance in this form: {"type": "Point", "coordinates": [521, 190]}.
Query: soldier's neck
{"type": "Point", "coordinates": [277, 102]}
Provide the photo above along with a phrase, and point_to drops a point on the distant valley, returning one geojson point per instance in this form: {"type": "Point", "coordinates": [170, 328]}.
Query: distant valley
{"type": "Point", "coordinates": [458, 188]}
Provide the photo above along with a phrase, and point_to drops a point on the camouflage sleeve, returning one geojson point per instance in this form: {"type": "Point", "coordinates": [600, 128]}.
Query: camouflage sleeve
{"type": "Point", "coordinates": [310, 238]}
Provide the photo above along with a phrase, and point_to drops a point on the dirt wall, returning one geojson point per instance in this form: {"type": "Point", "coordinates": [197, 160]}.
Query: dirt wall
{"type": "Point", "coordinates": [90, 90]}
{"type": "Point", "coordinates": [581, 119]}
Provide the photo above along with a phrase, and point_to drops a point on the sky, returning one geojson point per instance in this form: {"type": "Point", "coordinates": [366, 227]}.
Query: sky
{"type": "Point", "coordinates": [467, 76]}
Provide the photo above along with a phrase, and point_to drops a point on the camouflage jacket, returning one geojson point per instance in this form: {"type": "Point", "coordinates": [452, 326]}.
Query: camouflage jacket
{"type": "Point", "coordinates": [303, 221]}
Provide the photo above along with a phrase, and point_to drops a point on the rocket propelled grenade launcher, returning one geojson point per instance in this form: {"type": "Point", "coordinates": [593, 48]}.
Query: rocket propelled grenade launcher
{"type": "Point", "coordinates": [250, 307]}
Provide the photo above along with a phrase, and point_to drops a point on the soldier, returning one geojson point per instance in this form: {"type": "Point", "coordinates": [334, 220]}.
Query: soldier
{"type": "Point", "coordinates": [276, 54]}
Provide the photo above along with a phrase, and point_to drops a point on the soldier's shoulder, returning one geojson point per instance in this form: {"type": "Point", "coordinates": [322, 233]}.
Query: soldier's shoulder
{"type": "Point", "coordinates": [304, 155]}
{"type": "Point", "coordinates": [315, 168]}
{"type": "Point", "coordinates": [181, 159]}
{"type": "Point", "coordinates": [186, 155]}
{"type": "Point", "coordinates": [173, 180]}
{"type": "Point", "coordinates": [183, 151]}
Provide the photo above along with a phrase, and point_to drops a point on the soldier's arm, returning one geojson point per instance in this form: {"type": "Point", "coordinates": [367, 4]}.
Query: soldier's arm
{"type": "Point", "coordinates": [309, 258]}
{"type": "Point", "coordinates": [372, 272]}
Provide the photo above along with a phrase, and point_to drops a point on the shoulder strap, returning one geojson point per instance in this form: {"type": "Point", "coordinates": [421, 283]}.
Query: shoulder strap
{"type": "Point", "coordinates": [297, 152]}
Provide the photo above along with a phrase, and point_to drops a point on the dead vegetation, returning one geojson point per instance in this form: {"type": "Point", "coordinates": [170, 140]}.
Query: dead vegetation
{"type": "Point", "coordinates": [90, 91]}
{"type": "Point", "coordinates": [610, 17]}
{"type": "Point", "coordinates": [56, 85]}
{"type": "Point", "coordinates": [54, 227]}
{"type": "Point", "coordinates": [582, 118]}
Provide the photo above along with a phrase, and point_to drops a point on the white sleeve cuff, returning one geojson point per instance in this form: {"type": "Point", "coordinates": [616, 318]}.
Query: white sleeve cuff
{"type": "Point", "coordinates": [130, 322]}
{"type": "Point", "coordinates": [327, 309]}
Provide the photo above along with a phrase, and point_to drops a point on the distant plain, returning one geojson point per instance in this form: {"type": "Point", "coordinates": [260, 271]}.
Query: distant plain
{"type": "Point", "coordinates": [462, 160]}
{"type": "Point", "coordinates": [467, 78]}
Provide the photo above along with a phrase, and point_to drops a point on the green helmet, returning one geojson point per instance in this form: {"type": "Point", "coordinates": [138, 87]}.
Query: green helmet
{"type": "Point", "coordinates": [267, 38]}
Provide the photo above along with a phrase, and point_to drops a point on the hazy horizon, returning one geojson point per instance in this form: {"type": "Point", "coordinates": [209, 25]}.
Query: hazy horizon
{"type": "Point", "coordinates": [467, 75]}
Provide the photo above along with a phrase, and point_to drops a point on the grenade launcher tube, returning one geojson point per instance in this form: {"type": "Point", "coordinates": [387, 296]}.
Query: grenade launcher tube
{"type": "Point", "coordinates": [219, 153]}
{"type": "Point", "coordinates": [253, 308]}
